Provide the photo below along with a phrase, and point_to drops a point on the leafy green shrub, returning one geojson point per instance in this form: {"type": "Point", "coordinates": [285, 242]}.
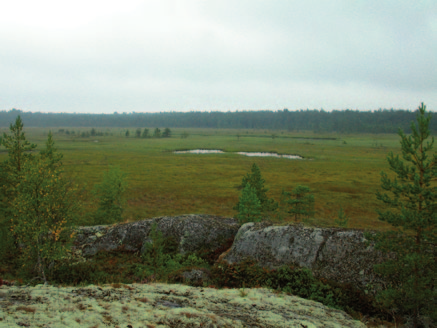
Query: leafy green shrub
{"type": "Point", "coordinates": [153, 257]}
{"type": "Point", "coordinates": [160, 257]}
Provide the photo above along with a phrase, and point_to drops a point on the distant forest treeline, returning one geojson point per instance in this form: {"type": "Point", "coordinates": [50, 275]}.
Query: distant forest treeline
{"type": "Point", "coordinates": [346, 121]}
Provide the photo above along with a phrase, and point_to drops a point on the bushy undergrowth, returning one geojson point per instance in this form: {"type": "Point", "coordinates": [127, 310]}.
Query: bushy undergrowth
{"type": "Point", "coordinates": [293, 281]}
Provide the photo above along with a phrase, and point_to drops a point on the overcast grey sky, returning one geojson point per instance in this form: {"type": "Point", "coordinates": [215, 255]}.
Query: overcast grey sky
{"type": "Point", "coordinates": [98, 56]}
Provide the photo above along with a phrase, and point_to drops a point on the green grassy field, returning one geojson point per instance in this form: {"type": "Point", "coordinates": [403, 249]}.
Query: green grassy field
{"type": "Point", "coordinates": [341, 170]}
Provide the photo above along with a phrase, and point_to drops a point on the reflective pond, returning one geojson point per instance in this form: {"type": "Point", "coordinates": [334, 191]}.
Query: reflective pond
{"type": "Point", "coordinates": [198, 151]}
{"type": "Point", "coordinates": [214, 151]}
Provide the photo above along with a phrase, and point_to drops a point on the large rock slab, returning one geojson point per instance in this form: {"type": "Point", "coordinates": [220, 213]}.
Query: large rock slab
{"type": "Point", "coordinates": [339, 255]}
{"type": "Point", "coordinates": [191, 232]}
{"type": "Point", "coordinates": [162, 305]}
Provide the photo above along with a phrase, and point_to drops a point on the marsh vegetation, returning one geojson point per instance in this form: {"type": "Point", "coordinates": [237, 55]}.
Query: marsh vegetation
{"type": "Point", "coordinates": [163, 183]}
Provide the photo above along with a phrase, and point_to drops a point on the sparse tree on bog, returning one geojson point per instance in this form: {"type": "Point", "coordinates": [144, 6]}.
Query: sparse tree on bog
{"type": "Point", "coordinates": [138, 133]}
{"type": "Point", "coordinates": [166, 133]}
{"type": "Point", "coordinates": [257, 182]}
{"type": "Point", "coordinates": [299, 203]}
{"type": "Point", "coordinates": [157, 133]}
{"type": "Point", "coordinates": [110, 194]}
{"type": "Point", "coordinates": [249, 207]}
{"type": "Point", "coordinates": [145, 133]}
{"type": "Point", "coordinates": [127, 133]}
{"type": "Point", "coordinates": [342, 220]}
{"type": "Point", "coordinates": [413, 213]}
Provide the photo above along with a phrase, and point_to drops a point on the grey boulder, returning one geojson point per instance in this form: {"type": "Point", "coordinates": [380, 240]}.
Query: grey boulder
{"type": "Point", "coordinates": [191, 232]}
{"type": "Point", "coordinates": [339, 255]}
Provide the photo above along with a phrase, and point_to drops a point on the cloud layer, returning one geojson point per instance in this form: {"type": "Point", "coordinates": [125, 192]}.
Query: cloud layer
{"type": "Point", "coordinates": [106, 56]}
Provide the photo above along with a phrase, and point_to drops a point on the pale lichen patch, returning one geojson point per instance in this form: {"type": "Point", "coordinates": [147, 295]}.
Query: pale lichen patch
{"type": "Point", "coordinates": [163, 305]}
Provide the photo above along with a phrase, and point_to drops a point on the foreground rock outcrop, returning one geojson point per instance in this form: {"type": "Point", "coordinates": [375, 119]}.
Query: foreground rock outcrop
{"type": "Point", "coordinates": [161, 305]}
{"type": "Point", "coordinates": [339, 255]}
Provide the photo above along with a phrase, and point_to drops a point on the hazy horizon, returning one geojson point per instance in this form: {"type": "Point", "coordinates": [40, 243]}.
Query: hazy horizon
{"type": "Point", "coordinates": [208, 111]}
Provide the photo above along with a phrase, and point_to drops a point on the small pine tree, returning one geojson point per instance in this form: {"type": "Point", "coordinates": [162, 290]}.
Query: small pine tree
{"type": "Point", "coordinates": [138, 133]}
{"type": "Point", "coordinates": [153, 255]}
{"type": "Point", "coordinates": [11, 174]}
{"type": "Point", "coordinates": [299, 202]}
{"type": "Point", "coordinates": [145, 133]}
{"type": "Point", "coordinates": [412, 274]}
{"type": "Point", "coordinates": [18, 147]}
{"type": "Point", "coordinates": [50, 153]}
{"type": "Point", "coordinates": [249, 206]}
{"type": "Point", "coordinates": [166, 133]}
{"type": "Point", "coordinates": [127, 133]}
{"type": "Point", "coordinates": [157, 133]}
{"type": "Point", "coordinates": [110, 193]}
{"type": "Point", "coordinates": [257, 182]}
{"type": "Point", "coordinates": [342, 220]}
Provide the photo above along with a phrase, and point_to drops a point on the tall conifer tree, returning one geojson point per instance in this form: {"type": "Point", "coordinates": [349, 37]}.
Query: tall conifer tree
{"type": "Point", "coordinates": [19, 151]}
{"type": "Point", "coordinates": [412, 274]}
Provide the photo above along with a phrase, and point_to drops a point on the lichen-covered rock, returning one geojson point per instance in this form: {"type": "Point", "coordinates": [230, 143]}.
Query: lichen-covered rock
{"type": "Point", "coordinates": [162, 305]}
{"type": "Point", "coordinates": [335, 254]}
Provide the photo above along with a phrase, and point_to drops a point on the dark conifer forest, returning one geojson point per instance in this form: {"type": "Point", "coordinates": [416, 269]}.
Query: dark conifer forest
{"type": "Point", "coordinates": [318, 121]}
